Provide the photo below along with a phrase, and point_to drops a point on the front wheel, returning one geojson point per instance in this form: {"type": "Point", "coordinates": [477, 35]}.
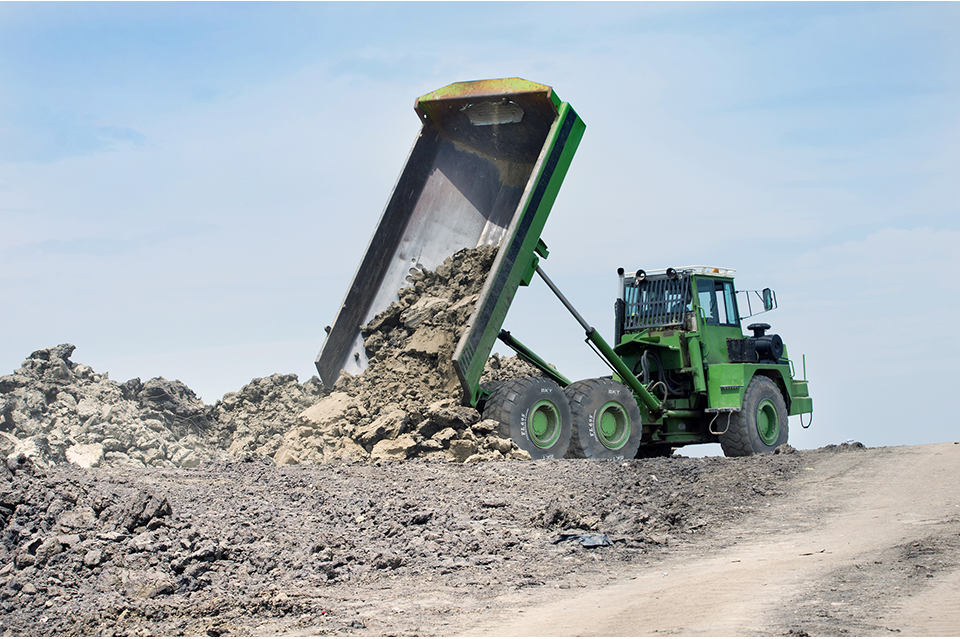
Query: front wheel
{"type": "Point", "coordinates": [606, 420]}
{"type": "Point", "coordinates": [761, 424]}
{"type": "Point", "coordinates": [534, 413]}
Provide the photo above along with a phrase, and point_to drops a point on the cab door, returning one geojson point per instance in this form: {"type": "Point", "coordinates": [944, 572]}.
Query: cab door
{"type": "Point", "coordinates": [718, 316]}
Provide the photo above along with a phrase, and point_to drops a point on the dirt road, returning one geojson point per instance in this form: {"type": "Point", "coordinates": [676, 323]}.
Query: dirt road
{"type": "Point", "coordinates": [865, 544]}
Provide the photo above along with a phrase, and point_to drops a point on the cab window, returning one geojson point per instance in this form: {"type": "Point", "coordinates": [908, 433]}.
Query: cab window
{"type": "Point", "coordinates": [719, 301]}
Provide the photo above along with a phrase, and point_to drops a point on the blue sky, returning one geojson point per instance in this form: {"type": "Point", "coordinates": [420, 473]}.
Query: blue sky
{"type": "Point", "coordinates": [186, 189]}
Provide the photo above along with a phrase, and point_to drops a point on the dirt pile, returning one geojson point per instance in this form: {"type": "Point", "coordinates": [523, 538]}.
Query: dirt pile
{"type": "Point", "coordinates": [56, 411]}
{"type": "Point", "coordinates": [405, 405]}
{"type": "Point", "coordinates": [233, 546]}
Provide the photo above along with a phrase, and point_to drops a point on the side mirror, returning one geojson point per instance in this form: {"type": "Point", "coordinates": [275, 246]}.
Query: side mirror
{"type": "Point", "coordinates": [769, 300]}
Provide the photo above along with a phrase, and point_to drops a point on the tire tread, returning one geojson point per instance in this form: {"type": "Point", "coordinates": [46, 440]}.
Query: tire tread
{"type": "Point", "coordinates": [505, 403]}
{"type": "Point", "coordinates": [579, 395]}
{"type": "Point", "coordinates": [737, 441]}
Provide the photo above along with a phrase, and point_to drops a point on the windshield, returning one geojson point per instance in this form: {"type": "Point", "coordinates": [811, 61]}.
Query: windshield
{"type": "Point", "coordinates": [655, 301]}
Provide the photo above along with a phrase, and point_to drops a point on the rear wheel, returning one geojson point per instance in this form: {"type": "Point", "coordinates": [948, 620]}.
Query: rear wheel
{"type": "Point", "coordinates": [761, 425]}
{"type": "Point", "coordinates": [534, 413]}
{"type": "Point", "coordinates": [606, 420]}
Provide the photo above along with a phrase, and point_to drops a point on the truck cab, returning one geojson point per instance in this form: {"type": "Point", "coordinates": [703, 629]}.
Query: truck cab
{"type": "Point", "coordinates": [679, 331]}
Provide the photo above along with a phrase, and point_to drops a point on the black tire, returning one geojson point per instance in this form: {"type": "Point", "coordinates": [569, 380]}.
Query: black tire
{"type": "Point", "coordinates": [761, 424]}
{"type": "Point", "coordinates": [606, 420]}
{"type": "Point", "coordinates": [534, 413]}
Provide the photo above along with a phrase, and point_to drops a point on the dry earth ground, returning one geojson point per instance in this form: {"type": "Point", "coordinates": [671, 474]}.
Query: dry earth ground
{"type": "Point", "coordinates": [837, 541]}
{"type": "Point", "coordinates": [865, 544]}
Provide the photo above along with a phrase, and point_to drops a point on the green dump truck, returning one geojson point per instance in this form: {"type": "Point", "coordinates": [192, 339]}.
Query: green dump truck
{"type": "Point", "coordinates": [486, 168]}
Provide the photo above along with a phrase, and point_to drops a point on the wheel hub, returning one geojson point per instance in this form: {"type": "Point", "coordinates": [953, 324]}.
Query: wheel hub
{"type": "Point", "coordinates": [613, 425]}
{"type": "Point", "coordinates": [768, 422]}
{"type": "Point", "coordinates": [544, 424]}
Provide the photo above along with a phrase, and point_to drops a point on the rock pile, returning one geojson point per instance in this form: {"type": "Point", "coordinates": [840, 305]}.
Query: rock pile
{"type": "Point", "coordinates": [54, 411]}
{"type": "Point", "coordinates": [404, 405]}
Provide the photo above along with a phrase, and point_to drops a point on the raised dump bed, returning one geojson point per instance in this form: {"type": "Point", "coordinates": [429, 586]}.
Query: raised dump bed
{"type": "Point", "coordinates": [485, 168]}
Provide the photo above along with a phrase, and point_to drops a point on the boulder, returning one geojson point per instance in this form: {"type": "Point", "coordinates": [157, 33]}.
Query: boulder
{"type": "Point", "coordinates": [387, 426]}
{"type": "Point", "coordinates": [461, 449]}
{"type": "Point", "coordinates": [499, 444]}
{"type": "Point", "coordinates": [403, 447]}
{"type": "Point", "coordinates": [86, 455]}
{"type": "Point", "coordinates": [429, 341]}
{"type": "Point", "coordinates": [424, 308]}
{"type": "Point", "coordinates": [444, 436]}
{"type": "Point", "coordinates": [450, 413]}
{"type": "Point", "coordinates": [81, 519]}
{"type": "Point", "coordinates": [328, 413]}
{"type": "Point", "coordinates": [285, 457]}
{"type": "Point", "coordinates": [37, 449]}
{"type": "Point", "coordinates": [88, 407]}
